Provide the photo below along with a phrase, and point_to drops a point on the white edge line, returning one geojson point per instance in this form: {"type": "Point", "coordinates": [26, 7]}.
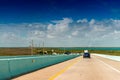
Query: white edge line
{"type": "Point", "coordinates": [108, 57]}
{"type": "Point", "coordinates": [109, 66]}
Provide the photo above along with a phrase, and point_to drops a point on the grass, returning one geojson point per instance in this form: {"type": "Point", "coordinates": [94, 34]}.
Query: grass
{"type": "Point", "coordinates": [27, 51]}
{"type": "Point", "coordinates": [14, 51]}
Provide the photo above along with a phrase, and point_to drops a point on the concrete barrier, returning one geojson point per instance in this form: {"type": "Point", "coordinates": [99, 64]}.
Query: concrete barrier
{"type": "Point", "coordinates": [4, 69]}
{"type": "Point", "coordinates": [16, 66]}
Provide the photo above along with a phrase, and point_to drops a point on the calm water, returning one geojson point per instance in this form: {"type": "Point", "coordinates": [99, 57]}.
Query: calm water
{"type": "Point", "coordinates": [91, 48]}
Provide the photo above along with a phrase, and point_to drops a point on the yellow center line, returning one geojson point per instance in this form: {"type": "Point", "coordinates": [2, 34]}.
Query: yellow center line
{"type": "Point", "coordinates": [63, 70]}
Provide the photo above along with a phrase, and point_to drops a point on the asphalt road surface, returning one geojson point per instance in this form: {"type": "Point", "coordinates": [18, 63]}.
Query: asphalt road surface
{"type": "Point", "coordinates": [96, 68]}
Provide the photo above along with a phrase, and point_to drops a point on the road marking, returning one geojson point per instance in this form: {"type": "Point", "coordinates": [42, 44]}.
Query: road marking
{"type": "Point", "coordinates": [63, 70]}
{"type": "Point", "coordinates": [116, 58]}
{"type": "Point", "coordinates": [108, 66]}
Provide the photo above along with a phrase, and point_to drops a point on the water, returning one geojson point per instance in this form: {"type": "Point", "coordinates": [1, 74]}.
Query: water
{"type": "Point", "coordinates": [76, 48]}
{"type": "Point", "coordinates": [90, 48]}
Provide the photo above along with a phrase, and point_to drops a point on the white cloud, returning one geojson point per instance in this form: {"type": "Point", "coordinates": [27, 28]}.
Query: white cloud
{"type": "Point", "coordinates": [69, 36]}
{"type": "Point", "coordinates": [112, 35]}
{"type": "Point", "coordinates": [62, 25]}
{"type": "Point", "coordinates": [50, 36]}
{"type": "Point", "coordinates": [64, 21]}
{"type": "Point", "coordinates": [82, 21]}
{"type": "Point", "coordinates": [50, 27]}
{"type": "Point", "coordinates": [9, 36]}
{"type": "Point", "coordinates": [75, 33]}
{"type": "Point", "coordinates": [59, 28]}
{"type": "Point", "coordinates": [64, 32]}
{"type": "Point", "coordinates": [98, 28]}
{"type": "Point", "coordinates": [40, 34]}
{"type": "Point", "coordinates": [92, 21]}
{"type": "Point", "coordinates": [36, 35]}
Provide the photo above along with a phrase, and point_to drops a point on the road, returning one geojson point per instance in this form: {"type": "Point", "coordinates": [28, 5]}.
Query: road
{"type": "Point", "coordinates": [96, 68]}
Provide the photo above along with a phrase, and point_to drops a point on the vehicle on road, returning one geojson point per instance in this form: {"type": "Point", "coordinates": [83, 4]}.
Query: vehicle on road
{"type": "Point", "coordinates": [86, 54]}
{"type": "Point", "coordinates": [67, 52]}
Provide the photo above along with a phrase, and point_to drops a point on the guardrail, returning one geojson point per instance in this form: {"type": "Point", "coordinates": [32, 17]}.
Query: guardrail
{"type": "Point", "coordinates": [16, 66]}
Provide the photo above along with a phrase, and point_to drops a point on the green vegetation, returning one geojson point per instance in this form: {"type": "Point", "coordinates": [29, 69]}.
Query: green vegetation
{"type": "Point", "coordinates": [14, 51]}
{"type": "Point", "coordinates": [36, 51]}
{"type": "Point", "coordinates": [51, 50]}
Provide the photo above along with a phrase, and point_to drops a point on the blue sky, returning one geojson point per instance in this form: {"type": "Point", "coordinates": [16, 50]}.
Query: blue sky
{"type": "Point", "coordinates": [71, 23]}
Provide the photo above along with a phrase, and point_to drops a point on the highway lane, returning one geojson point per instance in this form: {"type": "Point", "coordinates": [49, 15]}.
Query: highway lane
{"type": "Point", "coordinates": [96, 68]}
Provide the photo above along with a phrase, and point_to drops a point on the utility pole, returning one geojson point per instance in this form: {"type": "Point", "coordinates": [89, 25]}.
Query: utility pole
{"type": "Point", "coordinates": [39, 45]}
{"type": "Point", "coordinates": [32, 45]}
{"type": "Point", "coordinates": [64, 49]}
{"type": "Point", "coordinates": [43, 47]}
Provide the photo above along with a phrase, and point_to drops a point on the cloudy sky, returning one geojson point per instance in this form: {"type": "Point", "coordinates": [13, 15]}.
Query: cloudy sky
{"type": "Point", "coordinates": [70, 23]}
